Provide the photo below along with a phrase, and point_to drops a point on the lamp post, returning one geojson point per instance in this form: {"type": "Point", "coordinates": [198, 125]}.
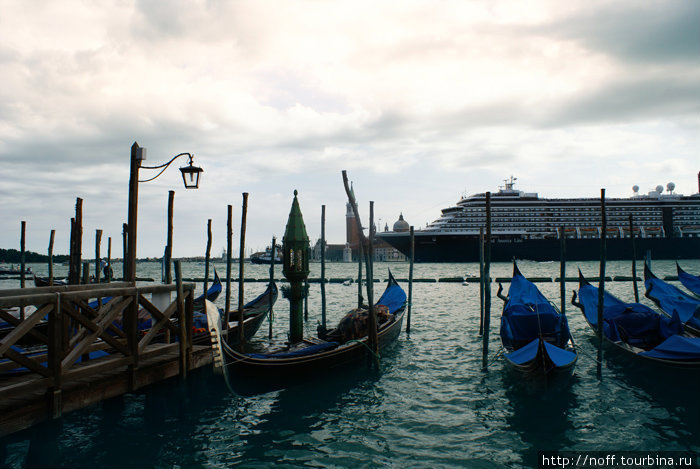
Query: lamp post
{"type": "Point", "coordinates": [190, 176]}
{"type": "Point", "coordinates": [295, 251]}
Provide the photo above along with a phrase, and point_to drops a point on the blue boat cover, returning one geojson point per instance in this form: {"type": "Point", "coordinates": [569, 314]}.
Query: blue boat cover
{"type": "Point", "coordinates": [393, 298]}
{"type": "Point", "coordinates": [559, 357]}
{"type": "Point", "coordinates": [676, 348]}
{"type": "Point", "coordinates": [672, 299]}
{"type": "Point", "coordinates": [633, 323]}
{"type": "Point", "coordinates": [691, 282]}
{"type": "Point", "coordinates": [528, 315]}
{"type": "Point", "coordinates": [311, 349]}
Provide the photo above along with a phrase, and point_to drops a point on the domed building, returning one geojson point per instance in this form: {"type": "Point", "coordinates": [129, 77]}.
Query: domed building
{"type": "Point", "coordinates": [401, 225]}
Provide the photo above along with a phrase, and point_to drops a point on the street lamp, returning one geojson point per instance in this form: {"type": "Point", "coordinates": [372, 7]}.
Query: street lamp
{"type": "Point", "coordinates": [190, 176]}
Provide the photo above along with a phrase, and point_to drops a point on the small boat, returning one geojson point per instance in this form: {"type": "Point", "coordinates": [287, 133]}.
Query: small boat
{"type": "Point", "coordinates": [254, 313]}
{"type": "Point", "coordinates": [12, 270]}
{"type": "Point", "coordinates": [212, 293]}
{"type": "Point", "coordinates": [671, 299]}
{"type": "Point", "coordinates": [689, 281]}
{"type": "Point", "coordinates": [44, 281]}
{"type": "Point", "coordinates": [535, 335]}
{"type": "Point", "coordinates": [638, 330]}
{"type": "Point", "coordinates": [266, 257]}
{"type": "Point", "coordinates": [345, 345]}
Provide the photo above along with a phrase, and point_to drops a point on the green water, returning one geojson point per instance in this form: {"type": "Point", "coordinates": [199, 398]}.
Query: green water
{"type": "Point", "coordinates": [430, 404]}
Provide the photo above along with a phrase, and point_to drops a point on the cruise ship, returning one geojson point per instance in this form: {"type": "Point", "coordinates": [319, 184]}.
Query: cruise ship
{"type": "Point", "coordinates": [525, 226]}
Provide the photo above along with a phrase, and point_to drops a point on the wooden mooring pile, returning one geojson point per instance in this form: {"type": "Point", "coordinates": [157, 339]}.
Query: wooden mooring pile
{"type": "Point", "coordinates": [68, 347]}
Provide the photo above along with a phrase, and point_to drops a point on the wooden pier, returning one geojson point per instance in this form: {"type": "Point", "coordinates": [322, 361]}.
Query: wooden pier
{"type": "Point", "coordinates": [62, 353]}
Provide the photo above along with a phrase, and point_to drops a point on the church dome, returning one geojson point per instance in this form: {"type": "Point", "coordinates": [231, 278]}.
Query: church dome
{"type": "Point", "coordinates": [401, 224]}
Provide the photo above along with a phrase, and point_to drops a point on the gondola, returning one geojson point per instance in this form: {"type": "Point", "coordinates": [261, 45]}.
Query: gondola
{"type": "Point", "coordinates": [689, 281]}
{"type": "Point", "coordinates": [535, 335]}
{"type": "Point", "coordinates": [314, 356]}
{"type": "Point", "coordinates": [670, 299]}
{"type": "Point", "coordinates": [638, 330]}
{"type": "Point", "coordinates": [44, 281]}
{"type": "Point", "coordinates": [254, 314]}
{"type": "Point", "coordinates": [212, 293]}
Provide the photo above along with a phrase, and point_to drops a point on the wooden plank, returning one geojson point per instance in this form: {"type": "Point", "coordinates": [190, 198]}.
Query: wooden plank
{"type": "Point", "coordinates": [26, 299]}
{"type": "Point", "coordinates": [13, 321]}
{"type": "Point", "coordinates": [37, 291]}
{"type": "Point", "coordinates": [22, 329]}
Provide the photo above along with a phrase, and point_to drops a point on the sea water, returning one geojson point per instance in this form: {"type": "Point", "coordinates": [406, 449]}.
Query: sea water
{"type": "Point", "coordinates": [429, 405]}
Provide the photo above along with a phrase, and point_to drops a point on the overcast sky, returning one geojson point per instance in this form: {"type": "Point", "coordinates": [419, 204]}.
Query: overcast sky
{"type": "Point", "coordinates": [421, 101]}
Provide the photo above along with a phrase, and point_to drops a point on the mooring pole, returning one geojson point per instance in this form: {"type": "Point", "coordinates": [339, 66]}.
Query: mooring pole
{"type": "Point", "coordinates": [482, 281]}
{"type": "Point", "coordinates": [109, 259]}
{"type": "Point", "coordinates": [562, 269]}
{"type": "Point", "coordinates": [487, 284]}
{"type": "Point", "coordinates": [323, 267]}
{"type": "Point", "coordinates": [169, 246]}
{"type": "Point", "coordinates": [272, 281]}
{"type": "Point", "coordinates": [373, 340]}
{"type": "Point", "coordinates": [22, 263]}
{"type": "Point", "coordinates": [412, 256]}
{"type": "Point", "coordinates": [306, 299]}
{"type": "Point", "coordinates": [207, 258]}
{"type": "Point", "coordinates": [125, 236]}
{"type": "Point", "coordinates": [98, 242]}
{"type": "Point", "coordinates": [229, 247]}
{"type": "Point", "coordinates": [601, 281]}
{"type": "Point", "coordinates": [634, 262]}
{"type": "Point", "coordinates": [51, 238]}
{"type": "Point", "coordinates": [182, 319]}
{"type": "Point", "coordinates": [360, 254]}
{"type": "Point", "coordinates": [241, 280]}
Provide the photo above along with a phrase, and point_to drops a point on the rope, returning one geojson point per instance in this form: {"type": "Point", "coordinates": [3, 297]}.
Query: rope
{"type": "Point", "coordinates": [496, 357]}
{"type": "Point", "coordinates": [376, 355]}
{"type": "Point", "coordinates": [580, 349]}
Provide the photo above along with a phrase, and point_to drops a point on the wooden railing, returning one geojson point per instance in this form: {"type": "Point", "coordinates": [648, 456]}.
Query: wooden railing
{"type": "Point", "coordinates": [64, 328]}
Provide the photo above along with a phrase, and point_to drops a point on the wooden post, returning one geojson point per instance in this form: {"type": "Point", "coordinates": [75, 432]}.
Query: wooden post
{"type": "Point", "coordinates": [412, 255]}
{"type": "Point", "coordinates": [363, 240]}
{"type": "Point", "coordinates": [136, 156]}
{"type": "Point", "coordinates": [22, 282]}
{"type": "Point", "coordinates": [634, 262]}
{"type": "Point", "coordinates": [487, 284]}
{"type": "Point", "coordinates": [109, 259]}
{"type": "Point", "coordinates": [206, 258]}
{"type": "Point", "coordinates": [169, 246]}
{"type": "Point", "coordinates": [241, 264]}
{"type": "Point", "coordinates": [98, 241]}
{"type": "Point", "coordinates": [323, 268]}
{"type": "Point", "coordinates": [601, 282]}
{"type": "Point", "coordinates": [481, 280]}
{"type": "Point", "coordinates": [373, 340]}
{"type": "Point", "coordinates": [229, 248]}
{"type": "Point", "coordinates": [86, 272]}
{"type": "Point", "coordinates": [76, 243]}
{"type": "Point", "coordinates": [55, 352]}
{"type": "Point", "coordinates": [562, 269]}
{"type": "Point", "coordinates": [360, 253]}
{"type": "Point", "coordinates": [125, 254]}
{"type": "Point", "coordinates": [306, 299]}
{"type": "Point", "coordinates": [51, 238]}
{"type": "Point", "coordinates": [189, 324]}
{"type": "Point", "coordinates": [272, 281]}
{"type": "Point", "coordinates": [182, 319]}
{"type": "Point", "coordinates": [22, 263]}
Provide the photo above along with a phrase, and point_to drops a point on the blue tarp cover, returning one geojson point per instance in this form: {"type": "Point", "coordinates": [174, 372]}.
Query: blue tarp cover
{"type": "Point", "coordinates": [671, 298]}
{"type": "Point", "coordinates": [632, 323]}
{"type": "Point", "coordinates": [559, 357]}
{"type": "Point", "coordinates": [691, 282]}
{"type": "Point", "coordinates": [676, 348]}
{"type": "Point", "coordinates": [316, 348]}
{"type": "Point", "coordinates": [393, 298]}
{"type": "Point", "coordinates": [528, 314]}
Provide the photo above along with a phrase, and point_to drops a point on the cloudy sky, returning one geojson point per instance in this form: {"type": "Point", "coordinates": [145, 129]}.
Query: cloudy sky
{"type": "Point", "coordinates": [421, 101]}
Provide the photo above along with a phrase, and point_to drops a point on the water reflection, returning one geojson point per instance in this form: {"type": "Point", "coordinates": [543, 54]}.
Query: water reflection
{"type": "Point", "coordinates": [541, 417]}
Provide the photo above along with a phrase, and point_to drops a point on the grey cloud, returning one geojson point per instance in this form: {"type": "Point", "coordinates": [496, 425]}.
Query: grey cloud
{"type": "Point", "coordinates": [660, 31]}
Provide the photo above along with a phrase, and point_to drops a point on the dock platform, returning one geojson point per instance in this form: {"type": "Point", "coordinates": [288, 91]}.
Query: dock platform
{"type": "Point", "coordinates": [60, 351]}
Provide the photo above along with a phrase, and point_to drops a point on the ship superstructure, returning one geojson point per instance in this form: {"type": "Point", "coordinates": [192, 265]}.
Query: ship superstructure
{"type": "Point", "coordinates": [520, 217]}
